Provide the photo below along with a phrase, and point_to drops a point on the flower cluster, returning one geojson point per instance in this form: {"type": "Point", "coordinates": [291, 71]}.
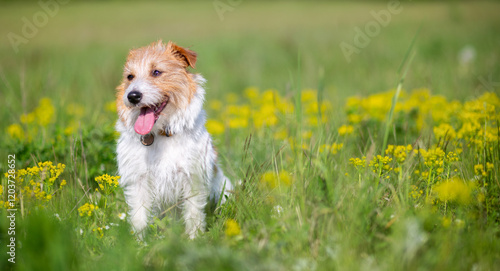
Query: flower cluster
{"type": "Point", "coordinates": [459, 131]}
{"type": "Point", "coordinates": [400, 153]}
{"type": "Point", "coordinates": [40, 117]}
{"type": "Point", "coordinates": [474, 122]}
{"type": "Point", "coordinates": [268, 109]}
{"type": "Point", "coordinates": [38, 184]}
{"type": "Point", "coordinates": [87, 209]}
{"type": "Point", "coordinates": [107, 184]}
{"type": "Point", "coordinates": [381, 165]}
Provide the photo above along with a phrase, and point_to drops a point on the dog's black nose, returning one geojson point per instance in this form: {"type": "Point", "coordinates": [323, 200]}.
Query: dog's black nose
{"type": "Point", "coordinates": [134, 97]}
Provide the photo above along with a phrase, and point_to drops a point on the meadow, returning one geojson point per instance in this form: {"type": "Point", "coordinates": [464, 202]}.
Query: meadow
{"type": "Point", "coordinates": [385, 158]}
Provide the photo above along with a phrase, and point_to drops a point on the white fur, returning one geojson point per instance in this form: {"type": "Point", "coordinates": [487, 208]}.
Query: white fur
{"type": "Point", "coordinates": [180, 170]}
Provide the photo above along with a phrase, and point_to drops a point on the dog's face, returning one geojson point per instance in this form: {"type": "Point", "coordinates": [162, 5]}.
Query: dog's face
{"type": "Point", "coordinates": [155, 84]}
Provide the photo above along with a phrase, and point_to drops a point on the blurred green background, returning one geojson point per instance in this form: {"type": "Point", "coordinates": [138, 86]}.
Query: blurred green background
{"type": "Point", "coordinates": [77, 55]}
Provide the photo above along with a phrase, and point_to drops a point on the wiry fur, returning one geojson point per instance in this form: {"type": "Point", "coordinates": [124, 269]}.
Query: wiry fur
{"type": "Point", "coordinates": [180, 170]}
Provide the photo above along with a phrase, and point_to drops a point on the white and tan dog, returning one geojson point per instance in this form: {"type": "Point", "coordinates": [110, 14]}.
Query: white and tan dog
{"type": "Point", "coordinates": [165, 155]}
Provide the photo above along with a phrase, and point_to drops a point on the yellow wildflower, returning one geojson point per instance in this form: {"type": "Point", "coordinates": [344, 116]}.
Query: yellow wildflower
{"type": "Point", "coordinates": [236, 123]}
{"type": "Point", "coordinates": [28, 118]}
{"type": "Point", "coordinates": [444, 131]}
{"type": "Point", "coordinates": [309, 96]}
{"type": "Point", "coordinates": [334, 148]}
{"type": "Point", "coordinates": [380, 165]}
{"type": "Point", "coordinates": [416, 193]}
{"type": "Point", "coordinates": [357, 162]}
{"type": "Point", "coordinates": [107, 183]}
{"type": "Point", "coordinates": [45, 112]}
{"type": "Point", "coordinates": [87, 209]}
{"type": "Point", "coordinates": [354, 118]}
{"type": "Point", "coordinates": [215, 127]}
{"type": "Point", "coordinates": [345, 130]}
{"type": "Point", "coordinates": [252, 93]}
{"type": "Point", "coordinates": [455, 190]}
{"type": "Point", "coordinates": [15, 131]}
{"type": "Point", "coordinates": [232, 228]}
{"type": "Point", "coordinates": [272, 180]}
{"type": "Point", "coordinates": [98, 231]}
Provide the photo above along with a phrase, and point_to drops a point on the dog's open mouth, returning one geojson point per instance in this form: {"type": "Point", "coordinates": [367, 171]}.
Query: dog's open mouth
{"type": "Point", "coordinates": [148, 117]}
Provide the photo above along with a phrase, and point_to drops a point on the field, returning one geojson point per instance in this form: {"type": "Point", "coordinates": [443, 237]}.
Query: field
{"type": "Point", "coordinates": [361, 136]}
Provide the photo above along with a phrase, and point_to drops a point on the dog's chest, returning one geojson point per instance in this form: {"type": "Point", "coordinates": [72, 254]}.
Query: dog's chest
{"type": "Point", "coordinates": [163, 163]}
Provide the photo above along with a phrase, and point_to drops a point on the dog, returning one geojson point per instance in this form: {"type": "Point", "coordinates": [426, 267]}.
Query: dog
{"type": "Point", "coordinates": [165, 155]}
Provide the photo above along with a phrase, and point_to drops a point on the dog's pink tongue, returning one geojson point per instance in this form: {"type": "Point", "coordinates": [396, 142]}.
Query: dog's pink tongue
{"type": "Point", "coordinates": [145, 121]}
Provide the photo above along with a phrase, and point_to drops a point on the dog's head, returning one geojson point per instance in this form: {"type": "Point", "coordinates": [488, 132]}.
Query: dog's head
{"type": "Point", "coordinates": [156, 85]}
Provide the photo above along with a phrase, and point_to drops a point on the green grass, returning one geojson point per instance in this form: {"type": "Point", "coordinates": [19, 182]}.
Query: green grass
{"type": "Point", "coordinates": [334, 216]}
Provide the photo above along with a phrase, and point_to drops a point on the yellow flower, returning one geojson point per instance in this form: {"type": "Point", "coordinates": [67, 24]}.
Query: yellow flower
{"type": "Point", "coordinates": [236, 123]}
{"type": "Point", "coordinates": [381, 165]}
{"type": "Point", "coordinates": [455, 190]}
{"type": "Point", "coordinates": [433, 158]}
{"type": "Point", "coordinates": [268, 97]}
{"type": "Point", "coordinates": [237, 116]}
{"type": "Point", "coordinates": [444, 131]}
{"type": "Point", "coordinates": [345, 130]}
{"type": "Point", "coordinates": [416, 193]}
{"type": "Point", "coordinates": [87, 209]}
{"type": "Point", "coordinates": [215, 127]}
{"type": "Point", "coordinates": [15, 131]}
{"type": "Point", "coordinates": [107, 183]}
{"type": "Point", "coordinates": [309, 96]}
{"type": "Point", "coordinates": [252, 93]}
{"type": "Point", "coordinates": [232, 228]}
{"type": "Point", "coordinates": [333, 149]}
{"type": "Point", "coordinates": [357, 162]}
{"type": "Point", "coordinates": [272, 180]}
{"type": "Point", "coordinates": [98, 231]}
{"type": "Point", "coordinates": [28, 118]}
{"type": "Point", "coordinates": [354, 118]}
{"type": "Point", "coordinates": [45, 112]}
{"type": "Point", "coordinates": [399, 152]}
{"type": "Point", "coordinates": [265, 116]}
{"type": "Point", "coordinates": [479, 170]}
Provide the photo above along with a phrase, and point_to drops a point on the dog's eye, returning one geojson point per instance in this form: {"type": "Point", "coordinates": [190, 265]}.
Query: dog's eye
{"type": "Point", "coordinates": [130, 77]}
{"type": "Point", "coordinates": [156, 73]}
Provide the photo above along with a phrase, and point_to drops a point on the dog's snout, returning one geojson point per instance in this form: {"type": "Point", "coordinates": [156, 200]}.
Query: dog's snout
{"type": "Point", "coordinates": [134, 97]}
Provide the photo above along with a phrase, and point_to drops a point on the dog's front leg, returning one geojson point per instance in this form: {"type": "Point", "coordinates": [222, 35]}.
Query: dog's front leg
{"type": "Point", "coordinates": [139, 202]}
{"type": "Point", "coordinates": [193, 211]}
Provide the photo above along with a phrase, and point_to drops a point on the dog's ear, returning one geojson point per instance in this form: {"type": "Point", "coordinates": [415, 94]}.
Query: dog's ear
{"type": "Point", "coordinates": [186, 56]}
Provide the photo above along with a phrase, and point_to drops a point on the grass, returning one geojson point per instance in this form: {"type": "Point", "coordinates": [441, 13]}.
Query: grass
{"type": "Point", "coordinates": [313, 193]}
